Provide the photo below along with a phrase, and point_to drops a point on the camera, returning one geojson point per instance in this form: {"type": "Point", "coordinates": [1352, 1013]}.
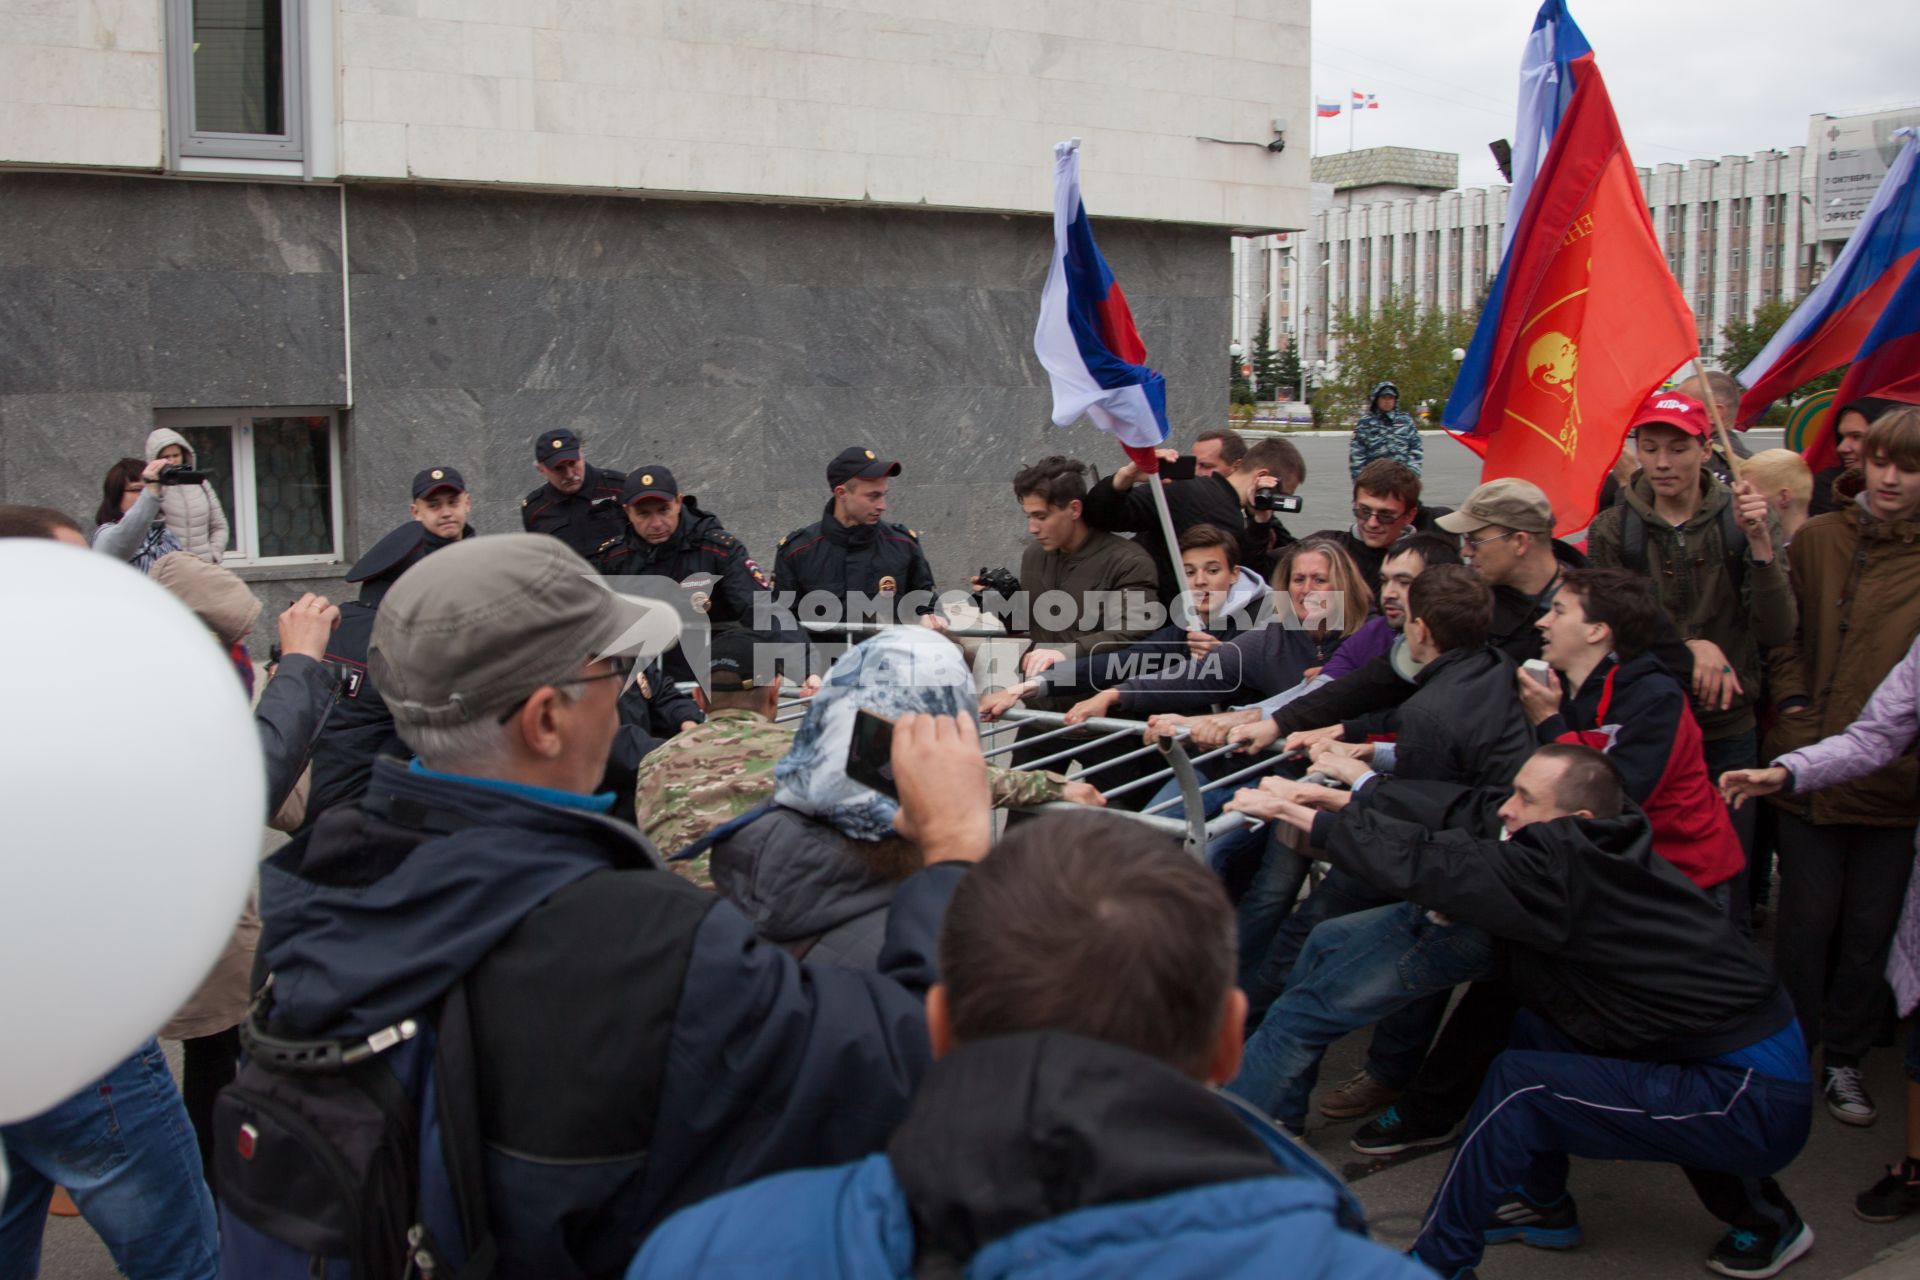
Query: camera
{"type": "Point", "coordinates": [1000, 581]}
{"type": "Point", "coordinates": [1274, 500]}
{"type": "Point", "coordinates": [174, 473]}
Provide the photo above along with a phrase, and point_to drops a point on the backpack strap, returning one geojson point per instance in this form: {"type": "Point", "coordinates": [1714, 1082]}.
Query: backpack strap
{"type": "Point", "coordinates": [458, 1103]}
{"type": "Point", "coordinates": [1633, 539]}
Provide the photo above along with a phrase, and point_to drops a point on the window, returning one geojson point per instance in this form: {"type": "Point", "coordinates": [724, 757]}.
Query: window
{"type": "Point", "coordinates": [1766, 257]}
{"type": "Point", "coordinates": [277, 473]}
{"type": "Point", "coordinates": [234, 79]}
{"type": "Point", "coordinates": [1772, 210]}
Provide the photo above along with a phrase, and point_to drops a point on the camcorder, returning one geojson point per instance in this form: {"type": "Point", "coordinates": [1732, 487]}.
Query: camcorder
{"type": "Point", "coordinates": [1274, 500]}
{"type": "Point", "coordinates": [174, 473]}
{"type": "Point", "coordinates": [1000, 581]}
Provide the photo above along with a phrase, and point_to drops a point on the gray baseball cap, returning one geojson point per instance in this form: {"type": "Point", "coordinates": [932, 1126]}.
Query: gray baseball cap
{"type": "Point", "coordinates": [1511, 503]}
{"type": "Point", "coordinates": [476, 628]}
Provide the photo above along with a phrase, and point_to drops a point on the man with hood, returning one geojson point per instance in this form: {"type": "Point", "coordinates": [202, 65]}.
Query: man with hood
{"type": "Point", "coordinates": [667, 535]}
{"type": "Point", "coordinates": [1067, 1126]}
{"type": "Point", "coordinates": [1651, 1029]}
{"type": "Point", "coordinates": [360, 728]}
{"type": "Point", "coordinates": [1384, 431]}
{"type": "Point", "coordinates": [192, 511]}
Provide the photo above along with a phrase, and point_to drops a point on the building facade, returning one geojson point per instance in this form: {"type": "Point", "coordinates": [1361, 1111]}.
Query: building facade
{"type": "Point", "coordinates": [336, 241]}
{"type": "Point", "coordinates": [1737, 232]}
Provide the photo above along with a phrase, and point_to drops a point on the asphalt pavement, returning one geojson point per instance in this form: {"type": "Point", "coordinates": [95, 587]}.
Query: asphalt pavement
{"type": "Point", "coordinates": [1641, 1220]}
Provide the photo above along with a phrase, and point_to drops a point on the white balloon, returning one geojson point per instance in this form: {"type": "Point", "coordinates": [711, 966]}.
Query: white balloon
{"type": "Point", "coordinates": [132, 794]}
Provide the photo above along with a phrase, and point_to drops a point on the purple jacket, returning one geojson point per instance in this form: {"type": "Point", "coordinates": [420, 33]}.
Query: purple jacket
{"type": "Point", "coordinates": [1884, 731]}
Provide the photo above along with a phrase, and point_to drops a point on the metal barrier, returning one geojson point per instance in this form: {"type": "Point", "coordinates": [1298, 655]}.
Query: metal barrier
{"type": "Point", "coordinates": [1193, 831]}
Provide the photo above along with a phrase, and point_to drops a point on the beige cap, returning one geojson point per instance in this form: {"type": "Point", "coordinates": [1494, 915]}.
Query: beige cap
{"type": "Point", "coordinates": [1510, 503]}
{"type": "Point", "coordinates": [478, 626]}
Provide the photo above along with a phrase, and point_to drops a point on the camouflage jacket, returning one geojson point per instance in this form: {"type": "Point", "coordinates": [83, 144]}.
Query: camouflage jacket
{"type": "Point", "coordinates": [718, 770]}
{"type": "Point", "coordinates": [1384, 435]}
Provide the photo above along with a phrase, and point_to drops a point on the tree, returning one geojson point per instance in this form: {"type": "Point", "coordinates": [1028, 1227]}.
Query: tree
{"type": "Point", "coordinates": [1399, 342]}
{"type": "Point", "coordinates": [1741, 341]}
{"type": "Point", "coordinates": [1288, 371]}
{"type": "Point", "coordinates": [1267, 381]}
{"type": "Point", "coordinates": [1239, 390]}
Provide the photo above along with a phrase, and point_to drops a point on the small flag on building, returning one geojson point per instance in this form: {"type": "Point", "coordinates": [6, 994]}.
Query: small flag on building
{"type": "Point", "coordinates": [1086, 338]}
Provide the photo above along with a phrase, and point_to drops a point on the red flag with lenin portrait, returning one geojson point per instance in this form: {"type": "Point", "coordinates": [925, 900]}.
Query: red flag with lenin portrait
{"type": "Point", "coordinates": [1584, 320]}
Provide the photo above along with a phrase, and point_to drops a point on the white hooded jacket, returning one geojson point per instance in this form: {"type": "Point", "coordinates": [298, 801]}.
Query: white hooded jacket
{"type": "Point", "coordinates": [192, 511]}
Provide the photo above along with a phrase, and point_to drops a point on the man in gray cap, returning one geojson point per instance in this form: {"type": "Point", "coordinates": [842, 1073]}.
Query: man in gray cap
{"type": "Point", "coordinates": [639, 1047]}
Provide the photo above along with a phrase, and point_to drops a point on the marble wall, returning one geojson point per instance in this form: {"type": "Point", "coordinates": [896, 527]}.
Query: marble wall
{"type": "Point", "coordinates": [741, 345]}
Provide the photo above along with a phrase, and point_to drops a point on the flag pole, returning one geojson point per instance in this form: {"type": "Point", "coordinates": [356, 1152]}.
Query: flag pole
{"type": "Point", "coordinates": [1173, 546]}
{"type": "Point", "coordinates": [1719, 419]}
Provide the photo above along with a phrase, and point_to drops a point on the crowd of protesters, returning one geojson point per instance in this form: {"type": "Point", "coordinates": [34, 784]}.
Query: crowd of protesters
{"type": "Point", "coordinates": [600, 950]}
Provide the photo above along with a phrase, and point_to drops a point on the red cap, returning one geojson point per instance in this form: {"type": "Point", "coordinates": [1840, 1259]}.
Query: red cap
{"type": "Point", "coordinates": [1672, 409]}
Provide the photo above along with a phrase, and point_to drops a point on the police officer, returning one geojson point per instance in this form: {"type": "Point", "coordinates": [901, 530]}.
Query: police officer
{"type": "Point", "coordinates": [667, 535]}
{"type": "Point", "coordinates": [578, 504]}
{"type": "Point", "coordinates": [850, 550]}
{"type": "Point", "coordinates": [359, 728]}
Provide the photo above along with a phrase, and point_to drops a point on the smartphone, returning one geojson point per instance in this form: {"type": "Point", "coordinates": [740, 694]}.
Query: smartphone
{"type": "Point", "coordinates": [870, 753]}
{"type": "Point", "coordinates": [1181, 468]}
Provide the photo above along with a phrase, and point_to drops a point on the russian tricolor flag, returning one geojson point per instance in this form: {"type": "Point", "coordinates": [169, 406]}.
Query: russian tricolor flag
{"type": "Point", "coordinates": [1840, 317]}
{"type": "Point", "coordinates": [1326, 110]}
{"type": "Point", "coordinates": [1086, 338]}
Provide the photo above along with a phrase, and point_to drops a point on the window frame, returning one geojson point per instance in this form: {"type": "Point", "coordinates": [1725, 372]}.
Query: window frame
{"type": "Point", "coordinates": [186, 141]}
{"type": "Point", "coordinates": [244, 520]}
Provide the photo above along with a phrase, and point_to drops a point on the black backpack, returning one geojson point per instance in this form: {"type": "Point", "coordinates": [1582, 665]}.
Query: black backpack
{"type": "Point", "coordinates": [356, 1159]}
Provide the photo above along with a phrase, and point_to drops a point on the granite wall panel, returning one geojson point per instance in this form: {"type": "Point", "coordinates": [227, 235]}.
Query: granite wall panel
{"type": "Point", "coordinates": [740, 344]}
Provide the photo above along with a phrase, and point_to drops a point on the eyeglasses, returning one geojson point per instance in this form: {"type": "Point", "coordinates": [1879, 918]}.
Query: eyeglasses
{"type": "Point", "coordinates": [1376, 515]}
{"type": "Point", "coordinates": [618, 668]}
{"type": "Point", "coordinates": [1474, 544]}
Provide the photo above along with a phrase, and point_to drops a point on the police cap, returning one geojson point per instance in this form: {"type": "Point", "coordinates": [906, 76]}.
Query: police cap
{"type": "Point", "coordinates": [861, 464]}
{"type": "Point", "coordinates": [438, 478]}
{"type": "Point", "coordinates": [648, 482]}
{"type": "Point", "coordinates": [556, 446]}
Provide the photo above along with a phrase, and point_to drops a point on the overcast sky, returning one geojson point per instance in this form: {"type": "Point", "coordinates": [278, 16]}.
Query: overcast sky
{"type": "Point", "coordinates": [1690, 79]}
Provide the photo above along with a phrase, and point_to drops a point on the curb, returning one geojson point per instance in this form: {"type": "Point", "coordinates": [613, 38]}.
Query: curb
{"type": "Point", "coordinates": [1896, 1262]}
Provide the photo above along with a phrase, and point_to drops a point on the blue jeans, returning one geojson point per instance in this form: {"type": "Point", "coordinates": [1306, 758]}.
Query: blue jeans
{"type": "Point", "coordinates": [1353, 971]}
{"type": "Point", "coordinates": [123, 1147]}
{"type": "Point", "coordinates": [1549, 1097]}
{"type": "Point", "coordinates": [1269, 898]}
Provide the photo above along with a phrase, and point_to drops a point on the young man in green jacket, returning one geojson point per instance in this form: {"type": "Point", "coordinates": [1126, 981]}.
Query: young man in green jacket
{"type": "Point", "coordinates": [1714, 558]}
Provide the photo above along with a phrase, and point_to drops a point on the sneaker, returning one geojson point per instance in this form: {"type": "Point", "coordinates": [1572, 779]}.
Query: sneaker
{"type": "Point", "coordinates": [1360, 1096]}
{"type": "Point", "coordinates": [1847, 1099]}
{"type": "Point", "coordinates": [1544, 1226]}
{"type": "Point", "coordinates": [1390, 1133]}
{"type": "Point", "coordinates": [1759, 1254]}
{"type": "Point", "coordinates": [1893, 1197]}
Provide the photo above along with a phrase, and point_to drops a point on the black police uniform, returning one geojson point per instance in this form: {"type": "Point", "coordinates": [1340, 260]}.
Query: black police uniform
{"type": "Point", "coordinates": [697, 546]}
{"type": "Point", "coordinates": [873, 560]}
{"type": "Point", "coordinates": [360, 728]}
{"type": "Point", "coordinates": [584, 520]}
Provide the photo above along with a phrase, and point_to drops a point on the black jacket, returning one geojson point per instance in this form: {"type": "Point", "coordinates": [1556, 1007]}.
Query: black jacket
{"type": "Point", "coordinates": [639, 1047]}
{"type": "Point", "coordinates": [1377, 687]}
{"type": "Point", "coordinates": [1605, 938]}
{"type": "Point", "coordinates": [804, 885]}
{"type": "Point", "coordinates": [1372, 560]}
{"type": "Point", "coordinates": [1207, 500]}
{"type": "Point", "coordinates": [1463, 723]}
{"type": "Point", "coordinates": [585, 519]}
{"type": "Point", "coordinates": [650, 712]}
{"type": "Point", "coordinates": [360, 729]}
{"type": "Point", "coordinates": [289, 716]}
{"type": "Point", "coordinates": [872, 560]}
{"type": "Point", "coordinates": [699, 547]}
